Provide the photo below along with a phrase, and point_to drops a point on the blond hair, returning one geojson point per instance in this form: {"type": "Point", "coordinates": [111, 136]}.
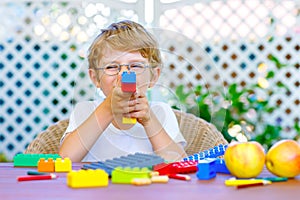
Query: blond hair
{"type": "Point", "coordinates": [125, 36]}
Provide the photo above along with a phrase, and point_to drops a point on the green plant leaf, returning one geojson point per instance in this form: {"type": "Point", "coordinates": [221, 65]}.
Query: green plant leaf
{"type": "Point", "coordinates": [230, 107]}
{"type": "Point", "coordinates": [198, 90]}
{"type": "Point", "coordinates": [275, 60]}
{"type": "Point", "coordinates": [297, 127]}
{"type": "Point", "coordinates": [282, 85]}
{"type": "Point", "coordinates": [270, 74]}
{"type": "Point", "coordinates": [181, 95]}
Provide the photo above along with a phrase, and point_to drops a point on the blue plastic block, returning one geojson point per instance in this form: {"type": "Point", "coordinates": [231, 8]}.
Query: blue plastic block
{"type": "Point", "coordinates": [128, 77]}
{"type": "Point", "coordinates": [221, 166]}
{"type": "Point", "coordinates": [206, 169]}
{"type": "Point", "coordinates": [219, 150]}
{"type": "Point", "coordinates": [210, 153]}
{"type": "Point", "coordinates": [132, 160]}
{"type": "Point", "coordinates": [99, 165]}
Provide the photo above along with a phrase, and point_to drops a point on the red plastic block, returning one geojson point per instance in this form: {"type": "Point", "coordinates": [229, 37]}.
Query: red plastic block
{"type": "Point", "coordinates": [164, 169]}
{"type": "Point", "coordinates": [182, 167]}
{"type": "Point", "coordinates": [185, 167]}
{"type": "Point", "coordinates": [128, 87]}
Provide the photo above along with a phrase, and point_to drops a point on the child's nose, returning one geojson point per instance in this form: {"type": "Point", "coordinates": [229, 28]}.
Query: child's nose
{"type": "Point", "coordinates": [123, 68]}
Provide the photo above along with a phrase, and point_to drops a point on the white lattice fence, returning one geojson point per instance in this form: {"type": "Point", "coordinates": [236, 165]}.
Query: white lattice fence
{"type": "Point", "coordinates": [239, 35]}
{"type": "Point", "coordinates": [42, 51]}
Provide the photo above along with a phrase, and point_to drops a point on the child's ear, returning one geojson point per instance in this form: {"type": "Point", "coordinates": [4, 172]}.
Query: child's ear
{"type": "Point", "coordinates": [94, 77]}
{"type": "Point", "coordinates": [155, 76]}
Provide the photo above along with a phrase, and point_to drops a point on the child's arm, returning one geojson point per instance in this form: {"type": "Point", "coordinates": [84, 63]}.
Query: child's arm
{"type": "Point", "coordinates": [77, 143]}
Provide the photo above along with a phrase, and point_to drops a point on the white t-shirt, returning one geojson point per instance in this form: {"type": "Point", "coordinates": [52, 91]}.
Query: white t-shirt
{"type": "Point", "coordinates": [114, 142]}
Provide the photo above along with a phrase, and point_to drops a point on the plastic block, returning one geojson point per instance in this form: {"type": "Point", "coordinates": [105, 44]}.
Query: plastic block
{"type": "Point", "coordinates": [46, 165]}
{"type": "Point", "coordinates": [219, 150]}
{"type": "Point", "coordinates": [221, 166]}
{"type": "Point", "coordinates": [215, 152]}
{"type": "Point", "coordinates": [185, 167]}
{"type": "Point", "coordinates": [128, 82]}
{"type": "Point", "coordinates": [164, 169]}
{"type": "Point", "coordinates": [139, 160]}
{"type": "Point", "coordinates": [128, 87]}
{"type": "Point", "coordinates": [128, 77]}
{"type": "Point", "coordinates": [126, 175]}
{"type": "Point", "coordinates": [126, 120]}
{"type": "Point", "coordinates": [182, 167]}
{"type": "Point", "coordinates": [99, 165]}
{"type": "Point", "coordinates": [206, 169]}
{"type": "Point", "coordinates": [63, 165]}
{"type": "Point", "coordinates": [87, 178]}
{"type": "Point", "coordinates": [31, 160]}
{"type": "Point", "coordinates": [131, 160]}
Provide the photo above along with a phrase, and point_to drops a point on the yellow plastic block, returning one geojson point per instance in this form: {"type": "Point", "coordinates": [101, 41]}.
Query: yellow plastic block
{"type": "Point", "coordinates": [63, 165]}
{"type": "Point", "coordinates": [46, 165]}
{"type": "Point", "coordinates": [127, 174]}
{"type": "Point", "coordinates": [87, 178]}
{"type": "Point", "coordinates": [126, 120]}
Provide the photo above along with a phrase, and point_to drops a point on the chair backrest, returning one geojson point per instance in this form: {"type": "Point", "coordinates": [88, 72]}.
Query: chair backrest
{"type": "Point", "coordinates": [199, 134]}
{"type": "Point", "coordinates": [48, 141]}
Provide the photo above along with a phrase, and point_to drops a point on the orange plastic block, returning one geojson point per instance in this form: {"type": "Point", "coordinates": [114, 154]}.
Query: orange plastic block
{"type": "Point", "coordinates": [46, 165]}
{"type": "Point", "coordinates": [63, 165]}
{"type": "Point", "coordinates": [87, 178]}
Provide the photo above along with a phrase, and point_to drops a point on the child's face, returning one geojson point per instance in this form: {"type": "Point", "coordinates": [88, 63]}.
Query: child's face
{"type": "Point", "coordinates": [143, 81]}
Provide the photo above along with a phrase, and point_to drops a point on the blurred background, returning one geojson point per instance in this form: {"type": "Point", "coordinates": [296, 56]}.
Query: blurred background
{"type": "Point", "coordinates": [234, 63]}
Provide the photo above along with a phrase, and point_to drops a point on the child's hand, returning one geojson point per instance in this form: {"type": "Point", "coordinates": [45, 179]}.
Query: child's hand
{"type": "Point", "coordinates": [121, 102]}
{"type": "Point", "coordinates": [139, 108]}
{"type": "Point", "coordinates": [131, 105]}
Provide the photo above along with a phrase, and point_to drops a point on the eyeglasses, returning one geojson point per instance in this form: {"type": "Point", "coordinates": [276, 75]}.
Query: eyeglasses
{"type": "Point", "coordinates": [114, 68]}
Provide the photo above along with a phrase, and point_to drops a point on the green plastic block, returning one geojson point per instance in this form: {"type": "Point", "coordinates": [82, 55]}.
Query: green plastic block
{"type": "Point", "coordinates": [126, 174]}
{"type": "Point", "coordinates": [31, 160]}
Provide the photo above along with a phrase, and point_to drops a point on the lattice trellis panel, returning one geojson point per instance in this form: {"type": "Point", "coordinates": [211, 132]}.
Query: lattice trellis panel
{"type": "Point", "coordinates": [42, 66]}
{"type": "Point", "coordinates": [238, 36]}
{"type": "Point", "coordinates": [43, 46]}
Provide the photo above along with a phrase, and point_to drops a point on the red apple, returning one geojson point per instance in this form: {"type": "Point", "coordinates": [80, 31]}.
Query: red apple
{"type": "Point", "coordinates": [283, 158]}
{"type": "Point", "coordinates": [245, 160]}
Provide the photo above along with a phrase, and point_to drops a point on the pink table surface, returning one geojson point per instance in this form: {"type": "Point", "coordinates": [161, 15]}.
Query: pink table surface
{"type": "Point", "coordinates": [212, 189]}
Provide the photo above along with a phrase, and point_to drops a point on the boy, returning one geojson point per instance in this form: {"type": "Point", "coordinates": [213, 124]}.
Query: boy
{"type": "Point", "coordinates": [95, 130]}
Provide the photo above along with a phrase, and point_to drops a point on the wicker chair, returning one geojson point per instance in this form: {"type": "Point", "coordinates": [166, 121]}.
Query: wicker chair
{"type": "Point", "coordinates": [199, 134]}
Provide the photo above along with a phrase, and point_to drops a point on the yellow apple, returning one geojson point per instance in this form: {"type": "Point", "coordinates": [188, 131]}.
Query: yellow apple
{"type": "Point", "coordinates": [245, 160]}
{"type": "Point", "coordinates": [283, 158]}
